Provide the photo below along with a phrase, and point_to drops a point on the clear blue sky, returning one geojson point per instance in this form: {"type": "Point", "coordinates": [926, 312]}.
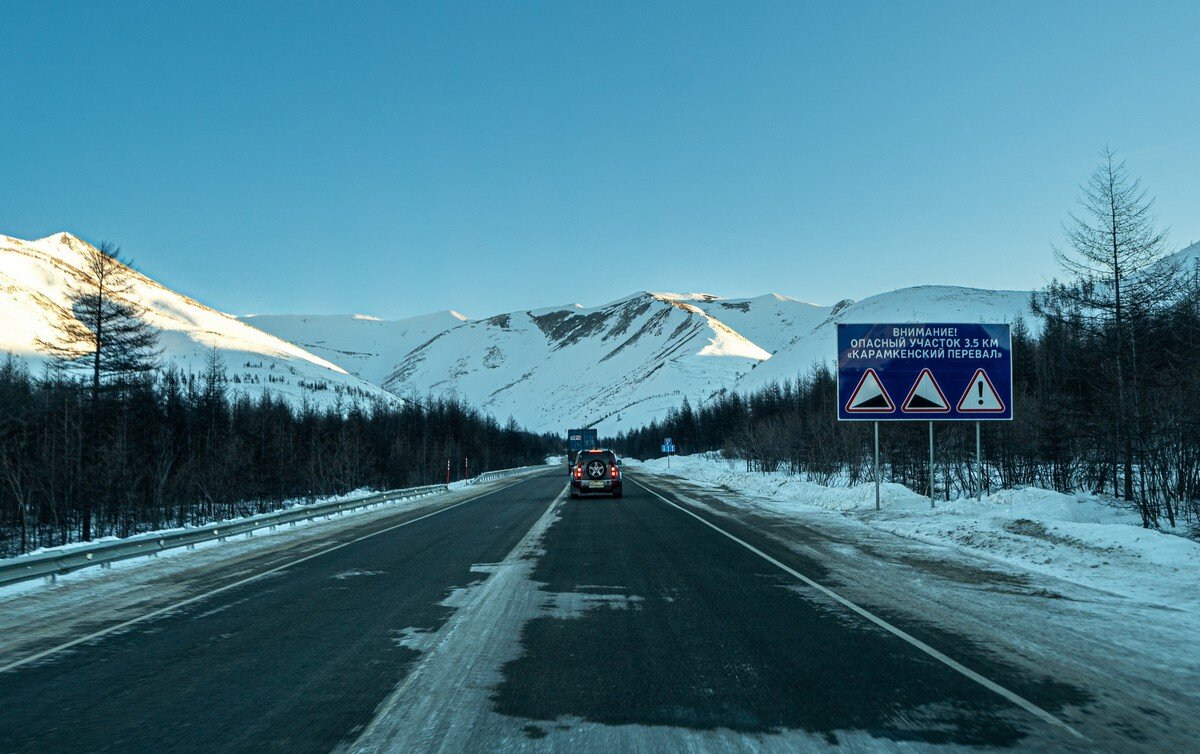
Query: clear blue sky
{"type": "Point", "coordinates": [398, 158]}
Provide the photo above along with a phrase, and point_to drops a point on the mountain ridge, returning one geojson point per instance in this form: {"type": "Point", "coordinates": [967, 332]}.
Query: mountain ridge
{"type": "Point", "coordinates": [616, 365]}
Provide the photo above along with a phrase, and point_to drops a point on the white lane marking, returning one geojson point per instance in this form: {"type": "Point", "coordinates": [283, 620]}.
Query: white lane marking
{"type": "Point", "coordinates": [1011, 696]}
{"type": "Point", "coordinates": [175, 606]}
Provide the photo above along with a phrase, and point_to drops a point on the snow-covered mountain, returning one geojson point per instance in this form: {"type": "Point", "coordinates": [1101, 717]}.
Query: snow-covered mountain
{"type": "Point", "coordinates": [771, 321]}
{"type": "Point", "coordinates": [617, 365]}
{"type": "Point", "coordinates": [366, 346]}
{"type": "Point", "coordinates": [35, 280]}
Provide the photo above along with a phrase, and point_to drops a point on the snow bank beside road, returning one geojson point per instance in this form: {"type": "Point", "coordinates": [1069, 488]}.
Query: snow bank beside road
{"type": "Point", "coordinates": [1081, 538]}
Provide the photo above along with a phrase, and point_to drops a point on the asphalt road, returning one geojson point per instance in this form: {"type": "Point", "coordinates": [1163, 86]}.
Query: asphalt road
{"type": "Point", "coordinates": [522, 620]}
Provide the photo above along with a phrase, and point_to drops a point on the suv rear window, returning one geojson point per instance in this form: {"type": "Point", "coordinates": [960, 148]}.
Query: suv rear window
{"type": "Point", "coordinates": [606, 455]}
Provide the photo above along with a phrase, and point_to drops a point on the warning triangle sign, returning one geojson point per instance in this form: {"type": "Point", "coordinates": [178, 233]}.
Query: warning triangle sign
{"type": "Point", "coordinates": [981, 396]}
{"type": "Point", "coordinates": [926, 396]}
{"type": "Point", "coordinates": [870, 397]}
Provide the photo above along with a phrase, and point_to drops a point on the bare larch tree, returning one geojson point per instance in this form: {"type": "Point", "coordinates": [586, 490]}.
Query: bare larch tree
{"type": "Point", "coordinates": [1117, 259]}
{"type": "Point", "coordinates": [105, 333]}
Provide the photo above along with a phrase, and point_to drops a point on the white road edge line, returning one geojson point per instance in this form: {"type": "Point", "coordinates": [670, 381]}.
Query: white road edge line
{"type": "Point", "coordinates": [175, 606]}
{"type": "Point", "coordinates": [990, 685]}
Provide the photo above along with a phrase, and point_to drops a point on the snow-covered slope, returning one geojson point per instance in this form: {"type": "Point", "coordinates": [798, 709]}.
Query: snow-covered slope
{"type": "Point", "coordinates": [771, 321]}
{"type": "Point", "coordinates": [614, 366]}
{"type": "Point", "coordinates": [366, 346]}
{"type": "Point", "coordinates": [926, 303]}
{"type": "Point", "coordinates": [35, 280]}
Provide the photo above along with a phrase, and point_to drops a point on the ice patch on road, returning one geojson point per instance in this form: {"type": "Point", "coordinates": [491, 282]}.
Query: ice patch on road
{"type": "Point", "coordinates": [354, 573]}
{"type": "Point", "coordinates": [576, 604]}
{"type": "Point", "coordinates": [417, 639]}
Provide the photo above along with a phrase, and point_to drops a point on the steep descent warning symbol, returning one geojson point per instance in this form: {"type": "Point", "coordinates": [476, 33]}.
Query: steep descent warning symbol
{"type": "Point", "coordinates": [870, 397]}
{"type": "Point", "coordinates": [926, 396]}
{"type": "Point", "coordinates": [981, 396]}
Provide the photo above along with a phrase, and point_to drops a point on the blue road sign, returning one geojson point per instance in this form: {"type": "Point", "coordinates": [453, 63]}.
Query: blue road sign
{"type": "Point", "coordinates": [668, 448]}
{"type": "Point", "coordinates": [923, 372]}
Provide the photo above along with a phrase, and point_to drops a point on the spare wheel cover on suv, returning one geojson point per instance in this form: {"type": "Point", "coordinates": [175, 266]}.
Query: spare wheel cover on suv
{"type": "Point", "coordinates": [596, 469]}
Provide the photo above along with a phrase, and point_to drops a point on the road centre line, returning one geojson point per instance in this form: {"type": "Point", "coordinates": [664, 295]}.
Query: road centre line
{"type": "Point", "coordinates": [1011, 696]}
{"type": "Point", "coordinates": [175, 606]}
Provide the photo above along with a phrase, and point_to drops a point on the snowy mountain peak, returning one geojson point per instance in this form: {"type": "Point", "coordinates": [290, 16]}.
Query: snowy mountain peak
{"type": "Point", "coordinates": [705, 297]}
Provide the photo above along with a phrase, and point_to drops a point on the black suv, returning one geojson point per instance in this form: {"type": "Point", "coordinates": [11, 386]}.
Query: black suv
{"type": "Point", "coordinates": [596, 472]}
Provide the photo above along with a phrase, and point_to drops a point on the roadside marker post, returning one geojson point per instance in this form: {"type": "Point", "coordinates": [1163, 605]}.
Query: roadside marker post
{"type": "Point", "coordinates": [925, 363]}
{"type": "Point", "coordinates": [668, 447]}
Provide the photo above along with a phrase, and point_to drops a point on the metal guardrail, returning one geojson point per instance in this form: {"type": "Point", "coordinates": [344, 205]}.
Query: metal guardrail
{"type": "Point", "coordinates": [489, 476]}
{"type": "Point", "coordinates": [51, 564]}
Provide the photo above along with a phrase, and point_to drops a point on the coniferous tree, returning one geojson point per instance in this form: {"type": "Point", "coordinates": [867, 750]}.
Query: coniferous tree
{"type": "Point", "coordinates": [1120, 275]}
{"type": "Point", "coordinates": [104, 333]}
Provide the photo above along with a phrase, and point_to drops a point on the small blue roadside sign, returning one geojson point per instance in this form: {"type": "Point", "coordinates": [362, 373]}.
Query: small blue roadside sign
{"type": "Point", "coordinates": [925, 372]}
{"type": "Point", "coordinates": [668, 446]}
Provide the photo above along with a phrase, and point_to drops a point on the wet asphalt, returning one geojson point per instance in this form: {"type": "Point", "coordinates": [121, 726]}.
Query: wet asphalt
{"type": "Point", "coordinates": [683, 628]}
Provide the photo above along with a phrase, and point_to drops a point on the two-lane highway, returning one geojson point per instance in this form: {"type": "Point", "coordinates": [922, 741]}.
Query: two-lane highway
{"type": "Point", "coordinates": [526, 621]}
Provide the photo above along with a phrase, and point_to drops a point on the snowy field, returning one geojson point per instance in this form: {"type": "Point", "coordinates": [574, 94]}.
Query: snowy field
{"type": "Point", "coordinates": [1083, 539]}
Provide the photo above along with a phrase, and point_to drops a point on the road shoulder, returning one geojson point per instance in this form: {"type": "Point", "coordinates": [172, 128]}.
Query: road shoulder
{"type": "Point", "coordinates": [1077, 634]}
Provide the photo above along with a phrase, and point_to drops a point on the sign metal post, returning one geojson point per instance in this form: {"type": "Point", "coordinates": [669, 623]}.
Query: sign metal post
{"type": "Point", "coordinates": [931, 505]}
{"type": "Point", "coordinates": [876, 465]}
{"type": "Point", "coordinates": [978, 461]}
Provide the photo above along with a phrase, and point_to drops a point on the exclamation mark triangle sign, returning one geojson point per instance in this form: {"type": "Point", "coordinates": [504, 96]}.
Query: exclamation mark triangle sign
{"type": "Point", "coordinates": [926, 396]}
{"type": "Point", "coordinates": [870, 397]}
{"type": "Point", "coordinates": [981, 396]}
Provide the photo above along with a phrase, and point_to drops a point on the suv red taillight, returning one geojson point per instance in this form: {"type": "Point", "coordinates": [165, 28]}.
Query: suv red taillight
{"type": "Point", "coordinates": [613, 471]}
{"type": "Point", "coordinates": [579, 472]}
